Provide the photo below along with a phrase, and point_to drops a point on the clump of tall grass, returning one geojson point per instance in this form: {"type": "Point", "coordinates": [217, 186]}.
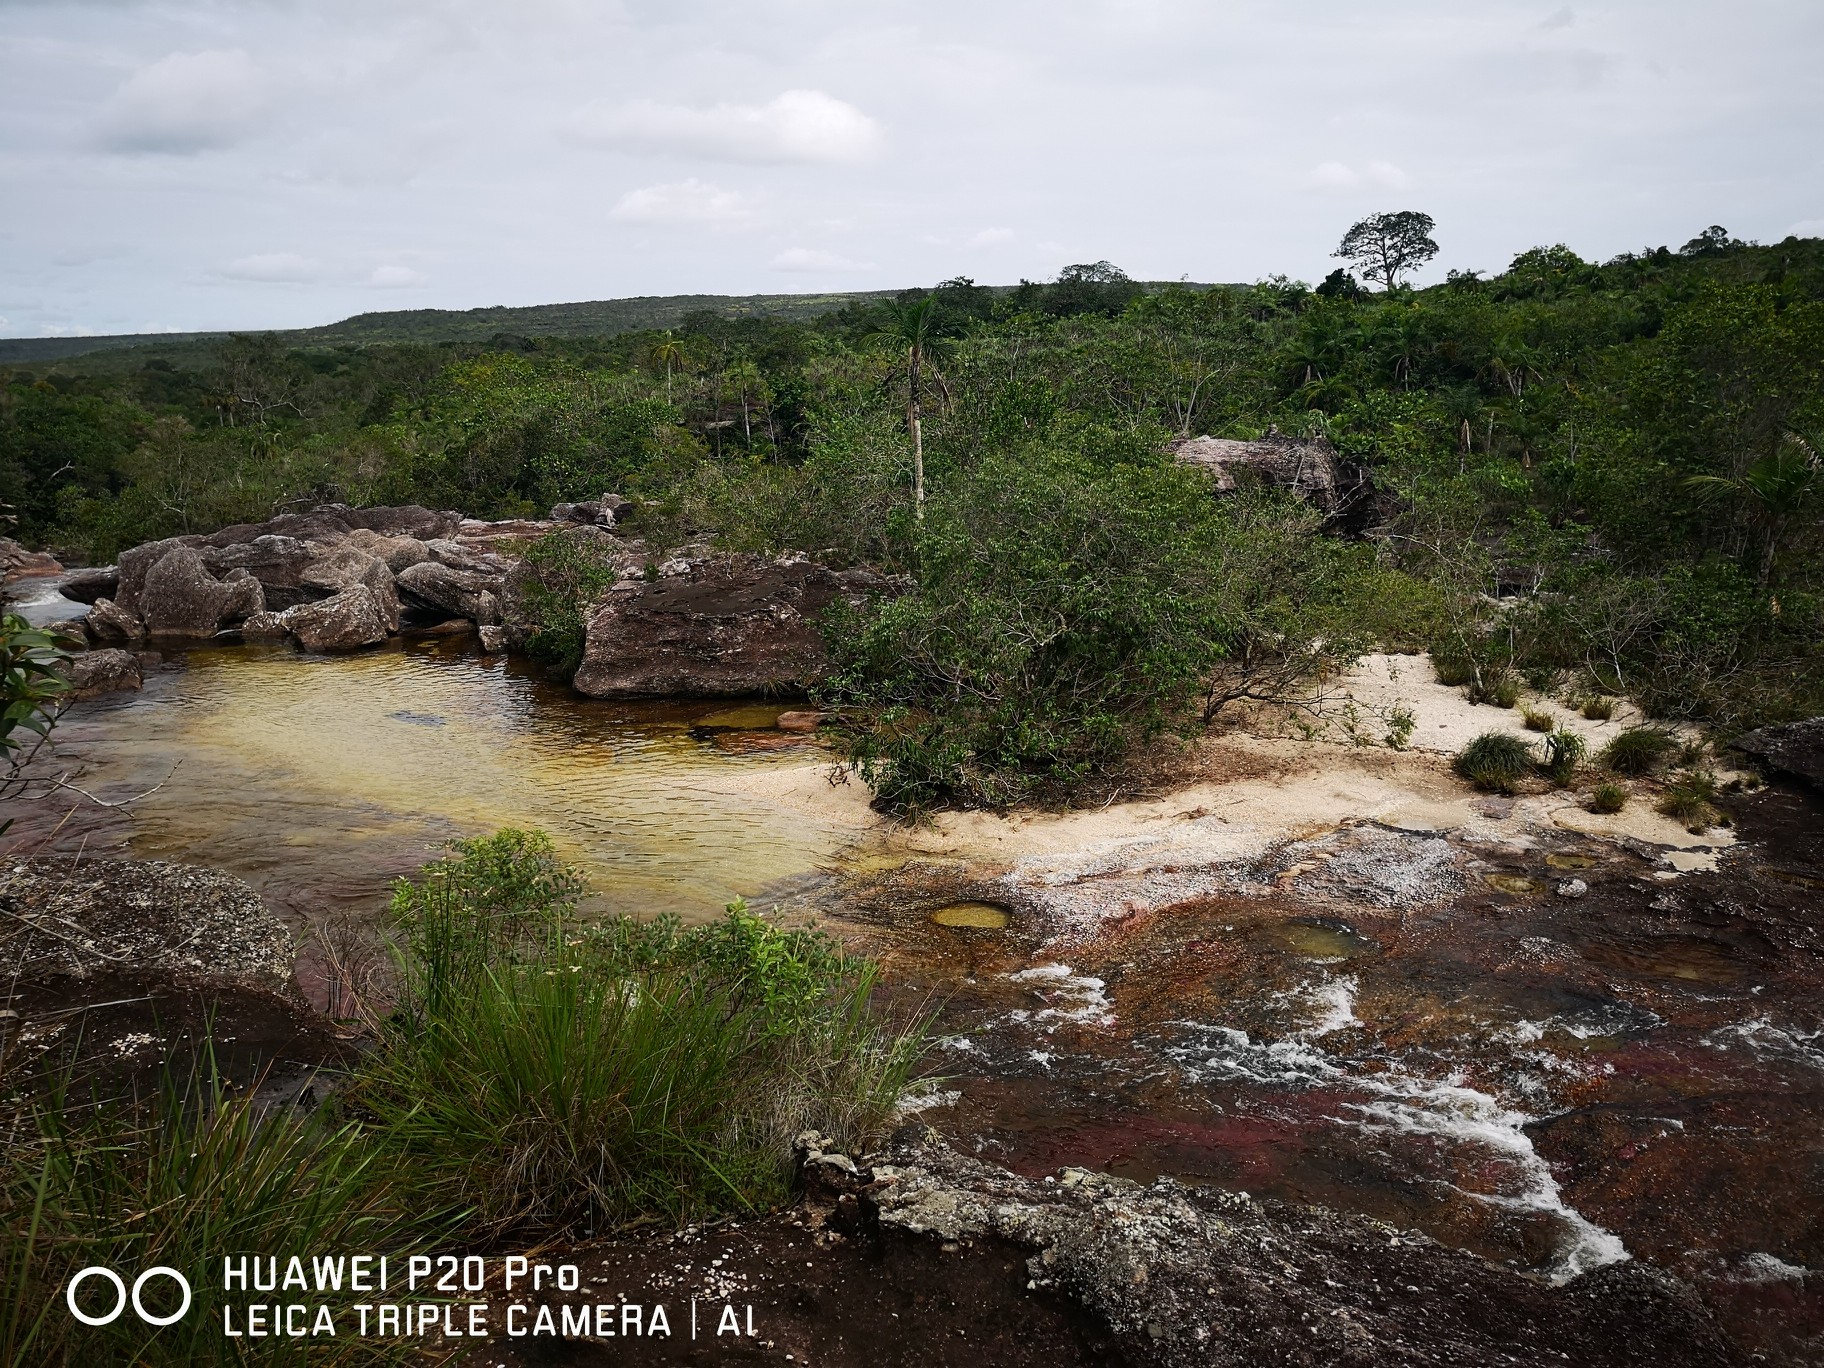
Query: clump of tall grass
{"type": "Point", "coordinates": [1690, 798]}
{"type": "Point", "coordinates": [1538, 719]}
{"type": "Point", "coordinates": [1494, 762]}
{"type": "Point", "coordinates": [1498, 687]}
{"type": "Point", "coordinates": [1564, 751]}
{"type": "Point", "coordinates": [1608, 797]}
{"type": "Point", "coordinates": [561, 1080]}
{"type": "Point", "coordinates": [184, 1180]}
{"type": "Point", "coordinates": [1598, 707]}
{"type": "Point", "coordinates": [1639, 750]}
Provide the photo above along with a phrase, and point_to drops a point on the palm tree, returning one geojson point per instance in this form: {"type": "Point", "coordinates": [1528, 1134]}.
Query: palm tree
{"type": "Point", "coordinates": [668, 351]}
{"type": "Point", "coordinates": [1777, 488]}
{"type": "Point", "coordinates": [915, 328]}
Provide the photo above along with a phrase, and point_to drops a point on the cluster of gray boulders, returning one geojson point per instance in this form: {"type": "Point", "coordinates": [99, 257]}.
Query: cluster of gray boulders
{"type": "Point", "coordinates": [1310, 468]}
{"type": "Point", "coordinates": [340, 579]}
{"type": "Point", "coordinates": [333, 579]}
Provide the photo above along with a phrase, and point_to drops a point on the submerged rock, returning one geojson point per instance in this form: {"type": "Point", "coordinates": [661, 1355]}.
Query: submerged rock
{"type": "Point", "coordinates": [716, 628]}
{"type": "Point", "coordinates": [100, 672]}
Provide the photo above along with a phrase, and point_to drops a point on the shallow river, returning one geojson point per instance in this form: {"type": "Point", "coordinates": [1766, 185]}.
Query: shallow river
{"type": "Point", "coordinates": [320, 779]}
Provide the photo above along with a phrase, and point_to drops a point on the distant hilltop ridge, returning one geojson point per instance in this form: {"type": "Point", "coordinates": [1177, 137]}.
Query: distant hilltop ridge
{"type": "Point", "coordinates": [594, 318]}
{"type": "Point", "coordinates": [601, 317]}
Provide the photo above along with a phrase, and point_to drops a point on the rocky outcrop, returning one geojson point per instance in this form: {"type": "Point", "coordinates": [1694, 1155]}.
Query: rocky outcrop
{"type": "Point", "coordinates": [610, 510]}
{"type": "Point", "coordinates": [344, 622]}
{"type": "Point", "coordinates": [100, 672]}
{"type": "Point", "coordinates": [178, 597]}
{"type": "Point", "coordinates": [1796, 748]}
{"type": "Point", "coordinates": [87, 915]}
{"type": "Point", "coordinates": [1199, 1278]}
{"type": "Point", "coordinates": [17, 563]}
{"type": "Point", "coordinates": [470, 593]}
{"type": "Point", "coordinates": [716, 628]}
{"type": "Point", "coordinates": [1311, 469]}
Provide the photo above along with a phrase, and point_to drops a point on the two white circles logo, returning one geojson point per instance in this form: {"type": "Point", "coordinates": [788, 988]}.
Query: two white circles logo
{"type": "Point", "coordinates": [121, 1296]}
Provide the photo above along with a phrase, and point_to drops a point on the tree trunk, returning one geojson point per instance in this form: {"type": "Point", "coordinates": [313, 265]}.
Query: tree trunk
{"type": "Point", "coordinates": [915, 417]}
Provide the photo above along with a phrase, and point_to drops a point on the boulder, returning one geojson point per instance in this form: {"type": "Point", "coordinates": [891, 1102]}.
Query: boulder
{"type": "Point", "coordinates": [1796, 748]}
{"type": "Point", "coordinates": [399, 553]}
{"type": "Point", "coordinates": [277, 561]}
{"type": "Point", "coordinates": [413, 521]}
{"type": "Point", "coordinates": [137, 563]}
{"type": "Point", "coordinates": [445, 588]}
{"type": "Point", "coordinates": [101, 672]}
{"type": "Point", "coordinates": [493, 639]}
{"type": "Point", "coordinates": [460, 557]}
{"type": "Point", "coordinates": [108, 621]}
{"type": "Point", "coordinates": [731, 626]}
{"type": "Point", "coordinates": [1313, 470]}
{"type": "Point", "coordinates": [86, 586]}
{"type": "Point", "coordinates": [179, 597]}
{"type": "Point", "coordinates": [265, 627]}
{"type": "Point", "coordinates": [343, 622]}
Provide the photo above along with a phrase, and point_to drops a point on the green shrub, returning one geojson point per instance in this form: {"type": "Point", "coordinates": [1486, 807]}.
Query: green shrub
{"type": "Point", "coordinates": [565, 574]}
{"type": "Point", "coordinates": [1690, 797]}
{"type": "Point", "coordinates": [556, 1079]}
{"type": "Point", "coordinates": [1453, 670]}
{"type": "Point", "coordinates": [1598, 707]}
{"type": "Point", "coordinates": [1639, 750]}
{"type": "Point", "coordinates": [1400, 724]}
{"type": "Point", "coordinates": [1564, 751]}
{"type": "Point", "coordinates": [1608, 797]}
{"type": "Point", "coordinates": [1494, 762]}
{"type": "Point", "coordinates": [1538, 719]}
{"type": "Point", "coordinates": [1498, 687]}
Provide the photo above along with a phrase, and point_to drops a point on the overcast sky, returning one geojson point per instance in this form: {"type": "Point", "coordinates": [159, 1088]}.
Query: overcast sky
{"type": "Point", "coordinates": [188, 165]}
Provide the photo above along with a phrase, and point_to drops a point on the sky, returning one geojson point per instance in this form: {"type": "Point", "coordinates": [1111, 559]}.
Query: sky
{"type": "Point", "coordinates": [182, 165]}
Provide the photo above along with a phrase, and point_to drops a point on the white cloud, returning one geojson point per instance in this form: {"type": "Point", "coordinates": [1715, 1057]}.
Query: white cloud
{"type": "Point", "coordinates": [990, 237]}
{"type": "Point", "coordinates": [274, 268]}
{"type": "Point", "coordinates": [186, 102]}
{"type": "Point", "coordinates": [1334, 175]}
{"type": "Point", "coordinates": [686, 201]}
{"type": "Point", "coordinates": [395, 278]}
{"type": "Point", "coordinates": [808, 259]}
{"type": "Point", "coordinates": [64, 330]}
{"type": "Point", "coordinates": [798, 126]}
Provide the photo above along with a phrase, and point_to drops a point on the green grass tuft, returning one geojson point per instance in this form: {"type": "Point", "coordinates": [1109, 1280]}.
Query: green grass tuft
{"type": "Point", "coordinates": [1598, 707]}
{"type": "Point", "coordinates": [1639, 750]}
{"type": "Point", "coordinates": [1494, 762]}
{"type": "Point", "coordinates": [1690, 798]}
{"type": "Point", "coordinates": [1538, 719]}
{"type": "Point", "coordinates": [1608, 797]}
{"type": "Point", "coordinates": [1564, 751]}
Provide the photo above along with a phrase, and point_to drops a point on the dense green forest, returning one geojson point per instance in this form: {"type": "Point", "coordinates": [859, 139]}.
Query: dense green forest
{"type": "Point", "coordinates": [1603, 476]}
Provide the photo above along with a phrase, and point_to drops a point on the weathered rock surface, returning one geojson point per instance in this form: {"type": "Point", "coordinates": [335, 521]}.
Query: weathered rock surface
{"type": "Point", "coordinates": [88, 915]}
{"type": "Point", "coordinates": [179, 597]}
{"type": "Point", "coordinates": [265, 626]}
{"type": "Point", "coordinates": [462, 592]}
{"type": "Point", "coordinates": [88, 585]}
{"type": "Point", "coordinates": [1796, 748]}
{"type": "Point", "coordinates": [18, 563]}
{"type": "Point", "coordinates": [1313, 470]}
{"type": "Point", "coordinates": [99, 672]}
{"type": "Point", "coordinates": [1198, 1278]}
{"type": "Point", "coordinates": [716, 628]}
{"type": "Point", "coordinates": [108, 621]}
{"type": "Point", "coordinates": [345, 622]}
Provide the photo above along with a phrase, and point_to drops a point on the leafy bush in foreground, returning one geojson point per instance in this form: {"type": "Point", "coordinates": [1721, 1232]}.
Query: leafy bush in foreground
{"type": "Point", "coordinates": [559, 1079]}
